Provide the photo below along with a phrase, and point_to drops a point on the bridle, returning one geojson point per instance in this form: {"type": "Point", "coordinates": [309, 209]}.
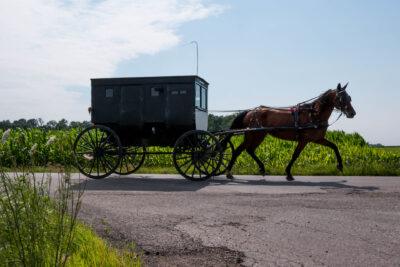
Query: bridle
{"type": "Point", "coordinates": [341, 100]}
{"type": "Point", "coordinates": [340, 103]}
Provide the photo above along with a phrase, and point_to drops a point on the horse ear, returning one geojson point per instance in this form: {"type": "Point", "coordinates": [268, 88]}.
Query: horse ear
{"type": "Point", "coordinates": [339, 87]}
{"type": "Point", "coordinates": [344, 88]}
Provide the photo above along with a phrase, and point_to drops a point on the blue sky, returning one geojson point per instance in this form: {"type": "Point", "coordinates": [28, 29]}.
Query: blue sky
{"type": "Point", "coordinates": [253, 53]}
{"type": "Point", "coordinates": [281, 52]}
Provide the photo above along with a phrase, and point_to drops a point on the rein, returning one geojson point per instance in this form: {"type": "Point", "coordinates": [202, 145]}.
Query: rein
{"type": "Point", "coordinates": [338, 117]}
{"type": "Point", "coordinates": [295, 109]}
{"type": "Point", "coordinates": [228, 111]}
{"type": "Point", "coordinates": [283, 108]}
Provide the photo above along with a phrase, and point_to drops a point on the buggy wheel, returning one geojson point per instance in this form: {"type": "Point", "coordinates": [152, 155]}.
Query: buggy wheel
{"type": "Point", "coordinates": [226, 158]}
{"type": "Point", "coordinates": [97, 151]}
{"type": "Point", "coordinates": [197, 155]}
{"type": "Point", "coordinates": [131, 160]}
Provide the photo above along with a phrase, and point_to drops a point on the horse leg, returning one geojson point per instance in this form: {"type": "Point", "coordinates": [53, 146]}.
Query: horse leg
{"type": "Point", "coordinates": [251, 152]}
{"type": "Point", "coordinates": [328, 143]}
{"type": "Point", "coordinates": [300, 146]}
{"type": "Point", "coordinates": [235, 154]}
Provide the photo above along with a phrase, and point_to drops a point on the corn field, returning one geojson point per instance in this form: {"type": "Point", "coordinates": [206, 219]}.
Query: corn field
{"type": "Point", "coordinates": [38, 147]}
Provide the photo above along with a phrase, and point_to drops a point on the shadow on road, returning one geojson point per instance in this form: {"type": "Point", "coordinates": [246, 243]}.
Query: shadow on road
{"type": "Point", "coordinates": [181, 185]}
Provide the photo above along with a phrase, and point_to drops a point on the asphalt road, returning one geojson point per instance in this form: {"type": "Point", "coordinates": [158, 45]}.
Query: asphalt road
{"type": "Point", "coordinates": [251, 221]}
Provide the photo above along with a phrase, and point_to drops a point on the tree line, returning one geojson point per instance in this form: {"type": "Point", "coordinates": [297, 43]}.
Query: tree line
{"type": "Point", "coordinates": [62, 124]}
{"type": "Point", "coordinates": [219, 123]}
{"type": "Point", "coordinates": [215, 123]}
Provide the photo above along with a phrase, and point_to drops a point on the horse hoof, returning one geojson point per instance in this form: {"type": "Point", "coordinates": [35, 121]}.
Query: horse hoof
{"type": "Point", "coordinates": [289, 178]}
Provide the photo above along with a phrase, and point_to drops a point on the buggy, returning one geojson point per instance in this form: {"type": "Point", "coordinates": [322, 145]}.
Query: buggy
{"type": "Point", "coordinates": [130, 114]}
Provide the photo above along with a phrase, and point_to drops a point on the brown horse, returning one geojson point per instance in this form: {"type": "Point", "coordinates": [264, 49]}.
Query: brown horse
{"type": "Point", "coordinates": [304, 123]}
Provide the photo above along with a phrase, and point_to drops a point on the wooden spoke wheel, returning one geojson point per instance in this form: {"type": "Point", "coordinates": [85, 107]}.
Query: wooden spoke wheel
{"type": "Point", "coordinates": [97, 151]}
{"type": "Point", "coordinates": [131, 160]}
{"type": "Point", "coordinates": [197, 155]}
{"type": "Point", "coordinates": [226, 158]}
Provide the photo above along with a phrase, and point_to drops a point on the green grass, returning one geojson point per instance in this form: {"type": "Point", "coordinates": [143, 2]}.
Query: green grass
{"type": "Point", "coordinates": [391, 149]}
{"type": "Point", "coordinates": [40, 227]}
{"type": "Point", "coordinates": [358, 157]}
{"type": "Point", "coordinates": [93, 251]}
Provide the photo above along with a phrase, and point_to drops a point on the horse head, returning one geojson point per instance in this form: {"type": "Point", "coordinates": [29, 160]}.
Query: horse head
{"type": "Point", "coordinates": [343, 101]}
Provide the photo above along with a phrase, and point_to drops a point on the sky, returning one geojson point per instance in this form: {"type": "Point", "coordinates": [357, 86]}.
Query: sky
{"type": "Point", "coordinates": [254, 52]}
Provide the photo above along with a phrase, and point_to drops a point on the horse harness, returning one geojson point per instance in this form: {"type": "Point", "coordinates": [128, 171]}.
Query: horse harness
{"type": "Point", "coordinates": [310, 107]}
{"type": "Point", "coordinates": [295, 111]}
{"type": "Point", "coordinates": [312, 111]}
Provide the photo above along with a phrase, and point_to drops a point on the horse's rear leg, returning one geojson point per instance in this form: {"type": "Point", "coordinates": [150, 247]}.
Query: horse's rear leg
{"type": "Point", "coordinates": [327, 143]}
{"type": "Point", "coordinates": [300, 146]}
{"type": "Point", "coordinates": [235, 154]}
{"type": "Point", "coordinates": [252, 153]}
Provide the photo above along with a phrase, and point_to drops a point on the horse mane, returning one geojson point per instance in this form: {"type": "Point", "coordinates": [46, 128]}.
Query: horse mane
{"type": "Point", "coordinates": [322, 98]}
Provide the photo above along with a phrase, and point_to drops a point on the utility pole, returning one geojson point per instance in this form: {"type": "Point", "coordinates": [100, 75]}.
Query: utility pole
{"type": "Point", "coordinates": [197, 56]}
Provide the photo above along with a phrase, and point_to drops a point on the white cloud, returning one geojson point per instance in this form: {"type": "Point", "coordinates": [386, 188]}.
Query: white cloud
{"type": "Point", "coordinates": [47, 46]}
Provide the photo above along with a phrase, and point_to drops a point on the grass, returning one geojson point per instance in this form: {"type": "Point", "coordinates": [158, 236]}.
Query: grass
{"type": "Point", "coordinates": [93, 251]}
{"type": "Point", "coordinates": [38, 221]}
{"type": "Point", "coordinates": [358, 157]}
{"type": "Point", "coordinates": [40, 228]}
{"type": "Point", "coordinates": [391, 149]}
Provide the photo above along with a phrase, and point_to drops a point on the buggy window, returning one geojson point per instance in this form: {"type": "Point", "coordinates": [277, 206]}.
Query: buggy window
{"type": "Point", "coordinates": [203, 98]}
{"type": "Point", "coordinates": [109, 92]}
{"type": "Point", "coordinates": [156, 91]}
{"type": "Point", "coordinates": [197, 99]}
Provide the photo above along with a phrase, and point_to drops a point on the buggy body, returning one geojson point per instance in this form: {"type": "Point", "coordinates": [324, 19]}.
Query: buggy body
{"type": "Point", "coordinates": [153, 111]}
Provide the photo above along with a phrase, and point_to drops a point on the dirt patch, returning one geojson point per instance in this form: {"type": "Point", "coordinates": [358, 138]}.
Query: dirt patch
{"type": "Point", "coordinates": [205, 256]}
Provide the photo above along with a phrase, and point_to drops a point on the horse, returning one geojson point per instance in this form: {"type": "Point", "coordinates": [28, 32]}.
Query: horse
{"type": "Point", "coordinates": [306, 122]}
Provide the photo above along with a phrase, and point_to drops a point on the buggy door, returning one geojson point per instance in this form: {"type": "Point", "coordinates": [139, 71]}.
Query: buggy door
{"type": "Point", "coordinates": [131, 105]}
{"type": "Point", "coordinates": [154, 108]}
{"type": "Point", "coordinates": [180, 105]}
{"type": "Point", "coordinates": [105, 104]}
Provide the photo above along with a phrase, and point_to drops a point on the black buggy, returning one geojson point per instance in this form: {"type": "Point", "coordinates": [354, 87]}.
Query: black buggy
{"type": "Point", "coordinates": [130, 114]}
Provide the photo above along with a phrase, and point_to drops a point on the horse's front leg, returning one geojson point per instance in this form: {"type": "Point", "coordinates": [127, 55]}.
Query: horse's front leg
{"type": "Point", "coordinates": [300, 146]}
{"type": "Point", "coordinates": [328, 143]}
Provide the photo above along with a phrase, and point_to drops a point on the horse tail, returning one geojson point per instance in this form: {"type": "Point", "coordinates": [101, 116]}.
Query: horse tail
{"type": "Point", "coordinates": [237, 123]}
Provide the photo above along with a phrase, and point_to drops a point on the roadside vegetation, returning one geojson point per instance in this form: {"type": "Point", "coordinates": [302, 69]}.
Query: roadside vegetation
{"type": "Point", "coordinates": [359, 157]}
{"type": "Point", "coordinates": [38, 219]}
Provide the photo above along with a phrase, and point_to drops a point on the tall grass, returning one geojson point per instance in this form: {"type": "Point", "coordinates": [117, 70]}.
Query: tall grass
{"type": "Point", "coordinates": [359, 158]}
{"type": "Point", "coordinates": [40, 228]}
{"type": "Point", "coordinates": [38, 219]}
{"type": "Point", "coordinates": [36, 229]}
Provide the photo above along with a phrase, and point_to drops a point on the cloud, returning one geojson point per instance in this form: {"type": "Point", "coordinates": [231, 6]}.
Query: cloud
{"type": "Point", "coordinates": [48, 46]}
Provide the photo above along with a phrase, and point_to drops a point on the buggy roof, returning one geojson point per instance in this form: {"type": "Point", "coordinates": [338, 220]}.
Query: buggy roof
{"type": "Point", "coordinates": [147, 80]}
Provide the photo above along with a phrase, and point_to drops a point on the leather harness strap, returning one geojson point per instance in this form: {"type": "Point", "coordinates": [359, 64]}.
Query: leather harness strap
{"type": "Point", "coordinates": [295, 113]}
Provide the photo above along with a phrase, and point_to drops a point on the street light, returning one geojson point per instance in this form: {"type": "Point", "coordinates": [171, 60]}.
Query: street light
{"type": "Point", "coordinates": [197, 56]}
